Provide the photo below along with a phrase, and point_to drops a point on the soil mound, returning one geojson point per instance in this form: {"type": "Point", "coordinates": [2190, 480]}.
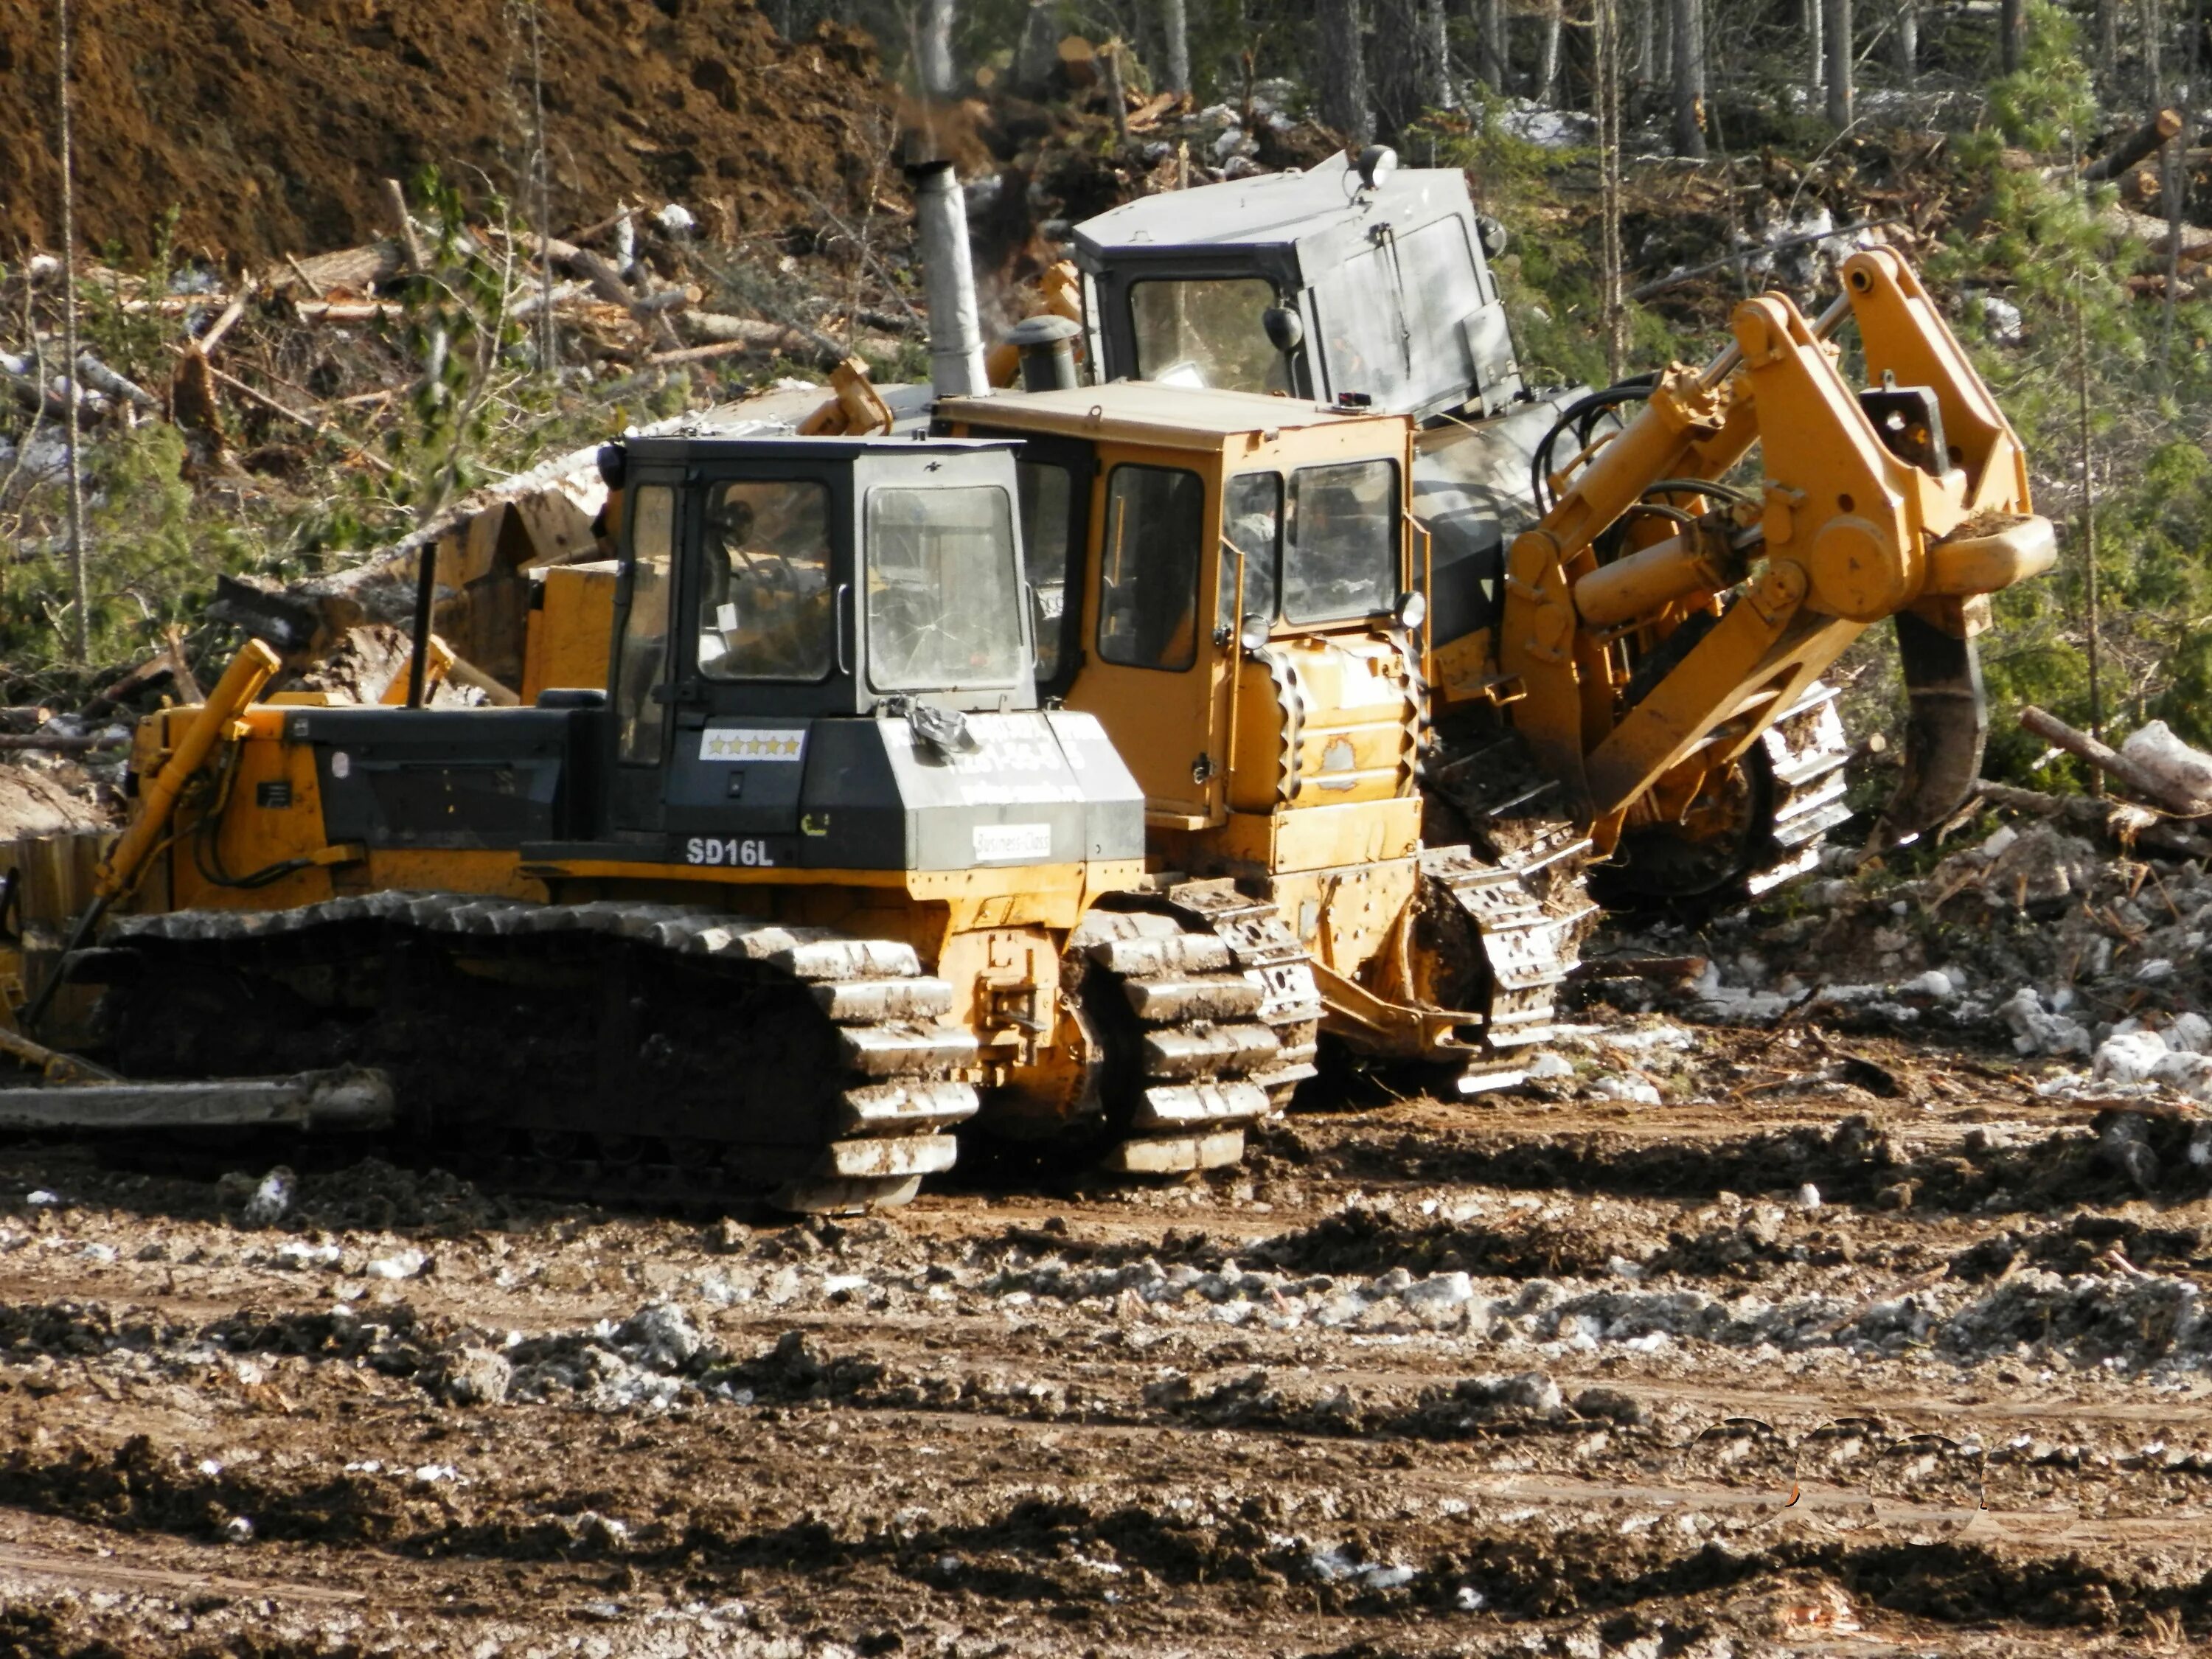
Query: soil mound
{"type": "Point", "coordinates": [271, 126]}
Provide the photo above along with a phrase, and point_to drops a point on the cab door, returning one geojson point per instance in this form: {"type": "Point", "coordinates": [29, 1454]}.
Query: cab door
{"type": "Point", "coordinates": [641, 672]}
{"type": "Point", "coordinates": [1148, 628]}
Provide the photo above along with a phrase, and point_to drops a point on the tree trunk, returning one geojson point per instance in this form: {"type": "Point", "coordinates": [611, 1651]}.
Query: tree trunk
{"type": "Point", "coordinates": [1401, 81]}
{"type": "Point", "coordinates": [1687, 18]}
{"type": "Point", "coordinates": [2012, 33]}
{"type": "Point", "coordinates": [1645, 50]}
{"type": "Point", "coordinates": [1174, 42]}
{"type": "Point", "coordinates": [933, 49]}
{"type": "Point", "coordinates": [1815, 13]}
{"type": "Point", "coordinates": [2108, 40]}
{"type": "Point", "coordinates": [1039, 51]}
{"type": "Point", "coordinates": [2154, 75]}
{"type": "Point", "coordinates": [1548, 62]}
{"type": "Point", "coordinates": [1908, 43]}
{"type": "Point", "coordinates": [1435, 28]}
{"type": "Point", "coordinates": [1497, 46]}
{"type": "Point", "coordinates": [1837, 26]}
{"type": "Point", "coordinates": [1340, 76]}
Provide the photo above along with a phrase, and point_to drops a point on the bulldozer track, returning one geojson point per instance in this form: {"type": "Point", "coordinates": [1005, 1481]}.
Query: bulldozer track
{"type": "Point", "coordinates": [659, 1051]}
{"type": "Point", "coordinates": [1521, 882]}
{"type": "Point", "coordinates": [1209, 1018]}
{"type": "Point", "coordinates": [1806, 749]}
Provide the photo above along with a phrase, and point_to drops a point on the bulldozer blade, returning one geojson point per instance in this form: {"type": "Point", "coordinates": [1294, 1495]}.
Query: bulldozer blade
{"type": "Point", "coordinates": [1947, 723]}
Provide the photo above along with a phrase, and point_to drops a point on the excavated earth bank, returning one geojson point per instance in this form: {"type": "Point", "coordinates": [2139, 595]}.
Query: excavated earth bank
{"type": "Point", "coordinates": [272, 124]}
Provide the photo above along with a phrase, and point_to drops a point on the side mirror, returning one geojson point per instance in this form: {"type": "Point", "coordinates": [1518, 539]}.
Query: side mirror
{"type": "Point", "coordinates": [1255, 634]}
{"type": "Point", "coordinates": [1494, 236]}
{"type": "Point", "coordinates": [1412, 611]}
{"type": "Point", "coordinates": [1286, 331]}
{"type": "Point", "coordinates": [1376, 163]}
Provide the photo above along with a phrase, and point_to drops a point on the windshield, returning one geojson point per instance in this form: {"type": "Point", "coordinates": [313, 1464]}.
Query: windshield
{"type": "Point", "coordinates": [766, 611]}
{"type": "Point", "coordinates": [944, 588]}
{"type": "Point", "coordinates": [1206, 332]}
{"type": "Point", "coordinates": [1342, 557]}
{"type": "Point", "coordinates": [1251, 519]}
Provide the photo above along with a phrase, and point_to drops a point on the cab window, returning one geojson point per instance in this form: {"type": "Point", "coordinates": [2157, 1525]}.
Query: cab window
{"type": "Point", "coordinates": [1047, 496]}
{"type": "Point", "coordinates": [1341, 557]}
{"type": "Point", "coordinates": [944, 589]}
{"type": "Point", "coordinates": [1148, 578]}
{"type": "Point", "coordinates": [1251, 528]}
{"type": "Point", "coordinates": [643, 654]}
{"type": "Point", "coordinates": [766, 609]}
{"type": "Point", "coordinates": [1206, 332]}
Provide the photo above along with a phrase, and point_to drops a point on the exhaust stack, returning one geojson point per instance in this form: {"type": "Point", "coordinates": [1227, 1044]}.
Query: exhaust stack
{"type": "Point", "coordinates": [956, 332]}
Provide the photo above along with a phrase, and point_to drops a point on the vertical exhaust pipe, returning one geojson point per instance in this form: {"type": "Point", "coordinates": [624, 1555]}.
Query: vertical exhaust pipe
{"type": "Point", "coordinates": [948, 274]}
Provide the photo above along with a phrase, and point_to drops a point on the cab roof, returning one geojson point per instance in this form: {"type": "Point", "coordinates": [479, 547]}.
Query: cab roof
{"type": "Point", "coordinates": [1177, 416]}
{"type": "Point", "coordinates": [726, 444]}
{"type": "Point", "coordinates": [1323, 211]}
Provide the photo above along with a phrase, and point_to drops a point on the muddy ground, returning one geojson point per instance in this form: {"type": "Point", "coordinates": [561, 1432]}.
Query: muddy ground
{"type": "Point", "coordinates": [1843, 1347]}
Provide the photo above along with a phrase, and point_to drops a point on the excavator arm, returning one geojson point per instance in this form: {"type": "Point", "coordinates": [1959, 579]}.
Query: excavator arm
{"type": "Point", "coordinates": [1722, 601]}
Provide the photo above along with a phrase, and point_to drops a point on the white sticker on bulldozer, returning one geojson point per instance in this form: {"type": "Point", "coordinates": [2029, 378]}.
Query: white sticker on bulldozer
{"type": "Point", "coordinates": [995, 842]}
{"type": "Point", "coordinates": [767, 744]}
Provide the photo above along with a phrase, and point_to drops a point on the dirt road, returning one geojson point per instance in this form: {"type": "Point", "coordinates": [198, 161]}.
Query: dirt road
{"type": "Point", "coordinates": [1782, 1365]}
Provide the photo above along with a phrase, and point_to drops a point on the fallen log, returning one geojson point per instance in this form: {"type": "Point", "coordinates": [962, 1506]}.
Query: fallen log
{"type": "Point", "coordinates": [320, 428]}
{"type": "Point", "coordinates": [396, 198]}
{"type": "Point", "coordinates": [350, 270]}
{"type": "Point", "coordinates": [2160, 791]}
{"type": "Point", "coordinates": [2135, 147]}
{"type": "Point", "coordinates": [98, 376]}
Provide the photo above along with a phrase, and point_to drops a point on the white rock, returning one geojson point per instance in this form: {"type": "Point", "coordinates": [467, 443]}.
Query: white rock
{"type": "Point", "coordinates": [1808, 1197]}
{"type": "Point", "coordinates": [403, 1265]}
{"type": "Point", "coordinates": [272, 1199]}
{"type": "Point", "coordinates": [2036, 1031]}
{"type": "Point", "coordinates": [1548, 1067]}
{"type": "Point", "coordinates": [1439, 1291]}
{"type": "Point", "coordinates": [676, 220]}
{"type": "Point", "coordinates": [2188, 1074]}
{"type": "Point", "coordinates": [1934, 983]}
{"type": "Point", "coordinates": [2129, 1057]}
{"type": "Point", "coordinates": [2156, 750]}
{"type": "Point", "coordinates": [2190, 1033]}
{"type": "Point", "coordinates": [2156, 969]}
{"type": "Point", "coordinates": [1615, 1087]}
{"type": "Point", "coordinates": [1469, 1599]}
{"type": "Point", "coordinates": [1996, 844]}
{"type": "Point", "coordinates": [2000, 317]}
{"type": "Point", "coordinates": [41, 1197]}
{"type": "Point", "coordinates": [237, 1530]}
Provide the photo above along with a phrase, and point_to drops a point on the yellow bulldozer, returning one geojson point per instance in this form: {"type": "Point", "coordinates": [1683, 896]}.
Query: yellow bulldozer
{"type": "Point", "coordinates": [1361, 282]}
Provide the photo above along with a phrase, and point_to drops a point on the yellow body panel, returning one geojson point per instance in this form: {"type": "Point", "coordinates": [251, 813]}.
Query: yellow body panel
{"type": "Point", "coordinates": [571, 627]}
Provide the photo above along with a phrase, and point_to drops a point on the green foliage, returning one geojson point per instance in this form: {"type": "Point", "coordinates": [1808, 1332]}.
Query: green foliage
{"type": "Point", "coordinates": [153, 560]}
{"type": "Point", "coordinates": [2085, 352]}
{"type": "Point", "coordinates": [457, 326]}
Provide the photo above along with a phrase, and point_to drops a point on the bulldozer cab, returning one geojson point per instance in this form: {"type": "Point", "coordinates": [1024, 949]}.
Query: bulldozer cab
{"type": "Point", "coordinates": [1360, 283]}
{"type": "Point", "coordinates": [766, 584]}
{"type": "Point", "coordinates": [1202, 556]}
